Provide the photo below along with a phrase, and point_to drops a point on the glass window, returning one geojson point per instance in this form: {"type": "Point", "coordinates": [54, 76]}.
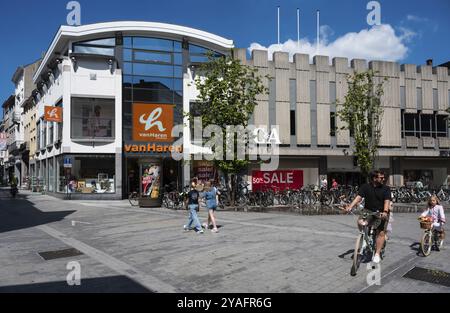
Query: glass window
{"type": "Point", "coordinates": [127, 55]}
{"type": "Point", "coordinates": [154, 57]}
{"type": "Point", "coordinates": [177, 59]}
{"type": "Point", "coordinates": [426, 125]}
{"type": "Point", "coordinates": [92, 174]}
{"type": "Point", "coordinates": [100, 42]}
{"type": "Point", "coordinates": [410, 124]}
{"type": "Point", "coordinates": [127, 107]}
{"type": "Point", "coordinates": [94, 50]}
{"type": "Point", "coordinates": [332, 124]}
{"type": "Point", "coordinates": [199, 59]}
{"type": "Point", "coordinates": [442, 125]}
{"type": "Point", "coordinates": [149, 95]}
{"type": "Point", "coordinates": [51, 133]}
{"type": "Point", "coordinates": [154, 82]}
{"type": "Point", "coordinates": [197, 49]}
{"type": "Point", "coordinates": [127, 42]}
{"type": "Point", "coordinates": [293, 127]}
{"type": "Point", "coordinates": [127, 94]}
{"type": "Point", "coordinates": [38, 134]}
{"type": "Point", "coordinates": [177, 71]}
{"type": "Point", "coordinates": [44, 134]}
{"type": "Point", "coordinates": [93, 118]}
{"type": "Point", "coordinates": [59, 125]}
{"type": "Point", "coordinates": [153, 70]}
{"type": "Point", "coordinates": [128, 68]}
{"type": "Point", "coordinates": [177, 46]}
{"type": "Point", "coordinates": [152, 44]}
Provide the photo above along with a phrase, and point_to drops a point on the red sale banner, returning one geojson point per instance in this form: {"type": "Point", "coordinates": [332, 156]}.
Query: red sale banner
{"type": "Point", "coordinates": [278, 180]}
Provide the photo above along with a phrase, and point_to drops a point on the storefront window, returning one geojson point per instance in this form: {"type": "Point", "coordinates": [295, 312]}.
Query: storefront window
{"type": "Point", "coordinates": [93, 118]}
{"type": "Point", "coordinates": [89, 174]}
{"type": "Point", "coordinates": [151, 180]}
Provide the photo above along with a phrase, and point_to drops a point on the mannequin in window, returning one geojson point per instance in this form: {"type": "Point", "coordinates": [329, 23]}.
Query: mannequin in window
{"type": "Point", "coordinates": [99, 125]}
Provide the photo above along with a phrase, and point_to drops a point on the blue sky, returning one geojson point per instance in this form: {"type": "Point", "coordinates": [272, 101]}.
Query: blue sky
{"type": "Point", "coordinates": [412, 30]}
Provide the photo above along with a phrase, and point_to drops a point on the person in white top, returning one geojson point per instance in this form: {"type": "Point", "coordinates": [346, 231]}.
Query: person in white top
{"type": "Point", "coordinates": [436, 212]}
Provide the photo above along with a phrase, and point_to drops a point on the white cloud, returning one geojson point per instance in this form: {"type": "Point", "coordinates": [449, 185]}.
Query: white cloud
{"type": "Point", "coordinates": [377, 43]}
{"type": "Point", "coordinates": [415, 18]}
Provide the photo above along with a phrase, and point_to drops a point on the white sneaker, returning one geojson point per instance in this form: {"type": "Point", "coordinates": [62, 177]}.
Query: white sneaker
{"type": "Point", "coordinates": [186, 228]}
{"type": "Point", "coordinates": [376, 259]}
{"type": "Point", "coordinates": [200, 232]}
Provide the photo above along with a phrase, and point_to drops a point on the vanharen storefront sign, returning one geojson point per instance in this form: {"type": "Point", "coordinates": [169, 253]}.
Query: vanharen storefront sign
{"type": "Point", "coordinates": [152, 122]}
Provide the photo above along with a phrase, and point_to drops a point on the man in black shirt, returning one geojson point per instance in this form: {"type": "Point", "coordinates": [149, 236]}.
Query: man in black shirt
{"type": "Point", "coordinates": [377, 199]}
{"type": "Point", "coordinates": [193, 205]}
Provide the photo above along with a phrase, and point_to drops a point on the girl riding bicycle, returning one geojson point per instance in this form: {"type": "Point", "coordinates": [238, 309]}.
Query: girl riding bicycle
{"type": "Point", "coordinates": [435, 212]}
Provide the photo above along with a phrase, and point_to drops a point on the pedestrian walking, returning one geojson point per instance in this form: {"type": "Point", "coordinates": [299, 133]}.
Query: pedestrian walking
{"type": "Point", "coordinates": [212, 199]}
{"type": "Point", "coordinates": [192, 203]}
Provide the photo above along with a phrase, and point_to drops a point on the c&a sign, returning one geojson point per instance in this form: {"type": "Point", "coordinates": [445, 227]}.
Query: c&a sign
{"type": "Point", "coordinates": [152, 122]}
{"type": "Point", "coordinates": [53, 114]}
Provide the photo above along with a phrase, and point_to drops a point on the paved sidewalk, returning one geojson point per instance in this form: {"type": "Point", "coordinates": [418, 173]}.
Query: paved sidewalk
{"type": "Point", "coordinates": [130, 249]}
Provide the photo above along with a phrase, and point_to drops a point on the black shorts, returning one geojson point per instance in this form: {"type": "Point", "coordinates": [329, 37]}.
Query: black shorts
{"type": "Point", "coordinates": [376, 223]}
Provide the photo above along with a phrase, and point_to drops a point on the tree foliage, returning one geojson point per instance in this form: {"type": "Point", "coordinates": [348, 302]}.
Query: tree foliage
{"type": "Point", "coordinates": [227, 96]}
{"type": "Point", "coordinates": [362, 113]}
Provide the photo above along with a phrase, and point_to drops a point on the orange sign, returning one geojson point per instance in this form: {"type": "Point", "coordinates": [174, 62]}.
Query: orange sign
{"type": "Point", "coordinates": [152, 122]}
{"type": "Point", "coordinates": [53, 114]}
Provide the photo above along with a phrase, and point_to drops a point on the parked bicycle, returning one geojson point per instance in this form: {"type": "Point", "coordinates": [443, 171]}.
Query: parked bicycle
{"type": "Point", "coordinates": [133, 198]}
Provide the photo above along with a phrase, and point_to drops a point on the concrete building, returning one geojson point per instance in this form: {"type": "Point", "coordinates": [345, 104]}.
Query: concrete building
{"type": "Point", "coordinates": [18, 148]}
{"type": "Point", "coordinates": [106, 78]}
{"type": "Point", "coordinates": [117, 83]}
{"type": "Point", "coordinates": [10, 120]}
{"type": "Point", "coordinates": [415, 136]}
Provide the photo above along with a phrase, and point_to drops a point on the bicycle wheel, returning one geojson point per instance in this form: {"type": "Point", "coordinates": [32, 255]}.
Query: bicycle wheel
{"type": "Point", "coordinates": [425, 244]}
{"type": "Point", "coordinates": [357, 254]}
{"type": "Point", "coordinates": [134, 199]}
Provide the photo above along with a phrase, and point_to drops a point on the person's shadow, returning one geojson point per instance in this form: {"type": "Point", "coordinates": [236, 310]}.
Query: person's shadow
{"type": "Point", "coordinates": [415, 247]}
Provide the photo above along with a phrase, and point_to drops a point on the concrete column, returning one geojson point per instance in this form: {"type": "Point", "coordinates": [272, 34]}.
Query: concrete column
{"type": "Point", "coordinates": [118, 182]}
{"type": "Point", "coordinates": [396, 178]}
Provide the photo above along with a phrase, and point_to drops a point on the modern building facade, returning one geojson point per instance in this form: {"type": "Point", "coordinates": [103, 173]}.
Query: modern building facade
{"type": "Point", "coordinates": [414, 138]}
{"type": "Point", "coordinates": [121, 86]}
{"type": "Point", "coordinates": [106, 78]}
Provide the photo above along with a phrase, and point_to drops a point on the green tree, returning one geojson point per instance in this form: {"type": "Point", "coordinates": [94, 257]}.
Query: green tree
{"type": "Point", "coordinates": [227, 97]}
{"type": "Point", "coordinates": [361, 113]}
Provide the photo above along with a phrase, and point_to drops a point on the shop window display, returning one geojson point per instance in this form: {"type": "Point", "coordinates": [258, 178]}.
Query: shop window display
{"type": "Point", "coordinates": [89, 174]}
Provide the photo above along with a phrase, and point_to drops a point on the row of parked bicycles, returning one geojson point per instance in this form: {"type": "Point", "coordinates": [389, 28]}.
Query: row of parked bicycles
{"type": "Point", "coordinates": [307, 196]}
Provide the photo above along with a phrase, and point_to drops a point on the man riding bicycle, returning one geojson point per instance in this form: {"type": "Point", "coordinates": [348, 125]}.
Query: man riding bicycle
{"type": "Point", "coordinates": [377, 199]}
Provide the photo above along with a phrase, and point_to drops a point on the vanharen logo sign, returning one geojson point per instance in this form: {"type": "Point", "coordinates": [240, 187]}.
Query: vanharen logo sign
{"type": "Point", "coordinates": [152, 122]}
{"type": "Point", "coordinates": [53, 114]}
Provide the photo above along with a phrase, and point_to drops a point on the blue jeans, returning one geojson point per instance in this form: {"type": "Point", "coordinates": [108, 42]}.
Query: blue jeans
{"type": "Point", "coordinates": [193, 218]}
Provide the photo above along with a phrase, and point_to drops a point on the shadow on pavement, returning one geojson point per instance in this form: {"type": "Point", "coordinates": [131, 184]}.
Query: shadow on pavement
{"type": "Point", "coordinates": [349, 252]}
{"type": "Point", "coordinates": [20, 213]}
{"type": "Point", "coordinates": [415, 247]}
{"type": "Point", "coordinates": [114, 284]}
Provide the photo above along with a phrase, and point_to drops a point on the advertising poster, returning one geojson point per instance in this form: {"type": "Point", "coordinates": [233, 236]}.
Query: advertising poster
{"type": "Point", "coordinates": [151, 180]}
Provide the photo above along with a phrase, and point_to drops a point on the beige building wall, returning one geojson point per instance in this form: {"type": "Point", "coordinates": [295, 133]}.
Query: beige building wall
{"type": "Point", "coordinates": [313, 119]}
